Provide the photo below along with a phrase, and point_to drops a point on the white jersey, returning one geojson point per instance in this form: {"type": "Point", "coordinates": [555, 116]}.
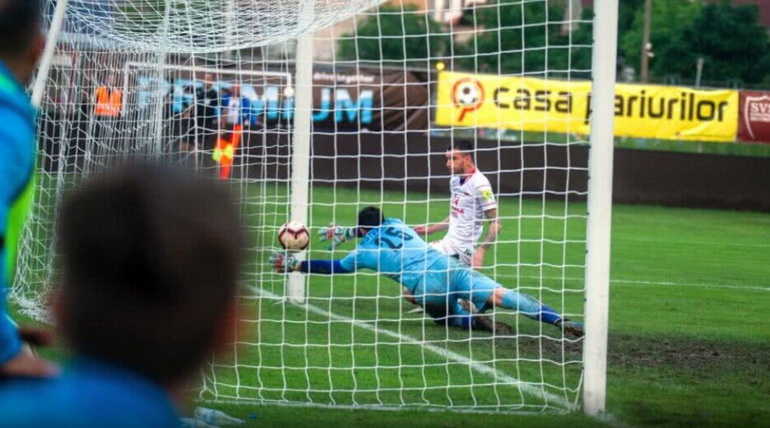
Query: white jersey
{"type": "Point", "coordinates": [471, 197]}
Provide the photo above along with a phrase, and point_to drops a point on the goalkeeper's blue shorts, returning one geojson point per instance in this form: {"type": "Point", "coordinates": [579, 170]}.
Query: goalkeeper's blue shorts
{"type": "Point", "coordinates": [445, 287]}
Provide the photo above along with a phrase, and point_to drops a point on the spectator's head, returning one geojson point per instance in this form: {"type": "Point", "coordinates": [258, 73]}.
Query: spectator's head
{"type": "Point", "coordinates": [369, 218]}
{"type": "Point", "coordinates": [235, 90]}
{"type": "Point", "coordinates": [150, 258]}
{"type": "Point", "coordinates": [459, 157]}
{"type": "Point", "coordinates": [21, 36]}
{"type": "Point", "coordinates": [208, 80]}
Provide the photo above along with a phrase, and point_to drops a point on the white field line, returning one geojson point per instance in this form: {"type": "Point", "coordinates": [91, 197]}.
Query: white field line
{"type": "Point", "coordinates": [664, 283]}
{"type": "Point", "coordinates": [449, 355]}
{"type": "Point", "coordinates": [680, 284]}
{"type": "Point", "coordinates": [668, 241]}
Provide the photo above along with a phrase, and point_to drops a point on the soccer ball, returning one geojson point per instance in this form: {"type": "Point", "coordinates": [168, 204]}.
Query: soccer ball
{"type": "Point", "coordinates": [294, 236]}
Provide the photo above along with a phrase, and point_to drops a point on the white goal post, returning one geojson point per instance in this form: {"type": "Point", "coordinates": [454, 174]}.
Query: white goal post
{"type": "Point", "coordinates": [314, 109]}
{"type": "Point", "coordinates": [600, 207]}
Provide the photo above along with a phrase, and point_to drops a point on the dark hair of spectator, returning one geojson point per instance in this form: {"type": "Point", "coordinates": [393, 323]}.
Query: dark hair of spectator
{"type": "Point", "coordinates": [20, 21]}
{"type": "Point", "coordinates": [150, 258]}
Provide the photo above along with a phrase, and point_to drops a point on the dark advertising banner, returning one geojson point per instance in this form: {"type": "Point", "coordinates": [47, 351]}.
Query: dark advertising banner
{"type": "Point", "coordinates": [754, 117]}
{"type": "Point", "coordinates": [343, 99]}
{"type": "Point", "coordinates": [377, 101]}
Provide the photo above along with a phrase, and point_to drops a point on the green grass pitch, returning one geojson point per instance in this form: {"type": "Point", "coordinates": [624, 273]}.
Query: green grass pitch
{"type": "Point", "coordinates": [688, 335]}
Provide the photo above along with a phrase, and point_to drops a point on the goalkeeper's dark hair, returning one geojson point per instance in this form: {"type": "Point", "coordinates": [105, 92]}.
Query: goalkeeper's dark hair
{"type": "Point", "coordinates": [20, 21]}
{"type": "Point", "coordinates": [150, 258]}
{"type": "Point", "coordinates": [370, 217]}
{"type": "Point", "coordinates": [464, 146]}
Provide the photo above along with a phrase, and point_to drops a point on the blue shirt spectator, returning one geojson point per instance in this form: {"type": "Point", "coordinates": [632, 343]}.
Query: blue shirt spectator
{"type": "Point", "coordinates": [17, 161]}
{"type": "Point", "coordinates": [90, 393]}
{"type": "Point", "coordinates": [236, 109]}
{"type": "Point", "coordinates": [138, 301]}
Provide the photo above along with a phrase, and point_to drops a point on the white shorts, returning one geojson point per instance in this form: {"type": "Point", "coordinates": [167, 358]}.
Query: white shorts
{"type": "Point", "coordinates": [463, 251]}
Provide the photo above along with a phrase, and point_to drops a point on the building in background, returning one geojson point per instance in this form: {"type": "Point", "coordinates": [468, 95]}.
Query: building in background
{"type": "Point", "coordinates": [453, 11]}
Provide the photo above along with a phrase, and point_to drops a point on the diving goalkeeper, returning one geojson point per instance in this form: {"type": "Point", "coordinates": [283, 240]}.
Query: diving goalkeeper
{"type": "Point", "coordinates": [393, 249]}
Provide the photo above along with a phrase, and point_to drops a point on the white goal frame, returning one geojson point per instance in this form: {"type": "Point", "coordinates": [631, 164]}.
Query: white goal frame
{"type": "Point", "coordinates": [600, 206]}
{"type": "Point", "coordinates": [597, 275]}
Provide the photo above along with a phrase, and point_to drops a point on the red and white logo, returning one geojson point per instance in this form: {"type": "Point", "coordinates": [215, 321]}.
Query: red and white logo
{"type": "Point", "coordinates": [456, 208]}
{"type": "Point", "coordinates": [467, 95]}
{"type": "Point", "coordinates": [756, 112]}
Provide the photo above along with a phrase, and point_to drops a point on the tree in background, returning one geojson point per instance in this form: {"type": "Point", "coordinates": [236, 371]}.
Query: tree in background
{"type": "Point", "coordinates": [668, 18]}
{"type": "Point", "coordinates": [730, 39]}
{"type": "Point", "coordinates": [627, 11]}
{"type": "Point", "coordinates": [527, 38]}
{"type": "Point", "coordinates": [402, 36]}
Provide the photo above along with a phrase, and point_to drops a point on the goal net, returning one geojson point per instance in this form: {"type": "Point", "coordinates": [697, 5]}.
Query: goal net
{"type": "Point", "coordinates": [313, 110]}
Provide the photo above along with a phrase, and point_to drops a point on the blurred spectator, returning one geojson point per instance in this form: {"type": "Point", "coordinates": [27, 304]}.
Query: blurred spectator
{"type": "Point", "coordinates": [21, 44]}
{"type": "Point", "coordinates": [144, 298]}
{"type": "Point", "coordinates": [206, 113]}
{"type": "Point", "coordinates": [108, 99]}
{"type": "Point", "coordinates": [179, 123]}
{"type": "Point", "coordinates": [107, 104]}
{"type": "Point", "coordinates": [236, 108]}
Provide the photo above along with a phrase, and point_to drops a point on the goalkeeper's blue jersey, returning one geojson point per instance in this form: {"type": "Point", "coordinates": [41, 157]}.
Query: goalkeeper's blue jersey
{"type": "Point", "coordinates": [396, 251]}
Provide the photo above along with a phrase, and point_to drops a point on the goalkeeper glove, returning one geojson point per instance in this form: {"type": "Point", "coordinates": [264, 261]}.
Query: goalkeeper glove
{"type": "Point", "coordinates": [283, 262]}
{"type": "Point", "coordinates": [336, 234]}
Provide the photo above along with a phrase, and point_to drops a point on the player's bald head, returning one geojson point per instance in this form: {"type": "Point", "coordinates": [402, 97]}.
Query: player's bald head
{"type": "Point", "coordinates": [20, 22]}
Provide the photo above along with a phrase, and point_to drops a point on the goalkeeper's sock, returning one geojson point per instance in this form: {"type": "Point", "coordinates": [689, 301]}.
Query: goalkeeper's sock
{"type": "Point", "coordinates": [460, 315]}
{"type": "Point", "coordinates": [530, 307]}
{"type": "Point", "coordinates": [451, 314]}
{"type": "Point", "coordinates": [548, 315]}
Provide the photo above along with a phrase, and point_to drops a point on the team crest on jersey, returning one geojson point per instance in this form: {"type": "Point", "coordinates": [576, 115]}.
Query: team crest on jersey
{"type": "Point", "coordinates": [456, 208]}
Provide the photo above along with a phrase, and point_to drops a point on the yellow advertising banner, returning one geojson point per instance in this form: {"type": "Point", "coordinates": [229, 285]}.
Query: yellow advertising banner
{"type": "Point", "coordinates": [530, 104]}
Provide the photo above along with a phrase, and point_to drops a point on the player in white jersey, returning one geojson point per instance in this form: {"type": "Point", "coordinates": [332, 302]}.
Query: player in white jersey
{"type": "Point", "coordinates": [473, 202]}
